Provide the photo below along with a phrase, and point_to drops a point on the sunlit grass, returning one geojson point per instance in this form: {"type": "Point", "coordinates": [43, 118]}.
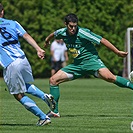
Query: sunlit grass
{"type": "Point", "coordinates": [86, 106]}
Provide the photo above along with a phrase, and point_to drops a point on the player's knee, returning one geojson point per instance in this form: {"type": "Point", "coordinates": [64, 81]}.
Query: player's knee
{"type": "Point", "coordinates": [18, 96]}
{"type": "Point", "coordinates": [52, 81]}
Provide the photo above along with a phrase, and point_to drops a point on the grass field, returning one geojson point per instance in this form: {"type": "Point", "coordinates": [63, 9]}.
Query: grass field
{"type": "Point", "coordinates": [86, 106]}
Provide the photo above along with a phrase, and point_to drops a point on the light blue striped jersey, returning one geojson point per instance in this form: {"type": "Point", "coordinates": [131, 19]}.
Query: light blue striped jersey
{"type": "Point", "coordinates": [10, 48]}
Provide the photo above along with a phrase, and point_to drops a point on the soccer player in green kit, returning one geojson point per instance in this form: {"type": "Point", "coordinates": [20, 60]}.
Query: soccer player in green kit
{"type": "Point", "coordinates": [80, 42]}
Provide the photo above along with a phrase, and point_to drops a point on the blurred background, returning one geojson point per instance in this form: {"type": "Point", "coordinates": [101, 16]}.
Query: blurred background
{"type": "Point", "coordinates": [110, 19]}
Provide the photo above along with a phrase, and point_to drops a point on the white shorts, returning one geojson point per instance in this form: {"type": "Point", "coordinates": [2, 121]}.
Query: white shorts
{"type": "Point", "coordinates": [17, 74]}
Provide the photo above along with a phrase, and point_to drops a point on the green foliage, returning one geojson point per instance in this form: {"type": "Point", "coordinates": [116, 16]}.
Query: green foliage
{"type": "Point", "coordinates": [109, 19]}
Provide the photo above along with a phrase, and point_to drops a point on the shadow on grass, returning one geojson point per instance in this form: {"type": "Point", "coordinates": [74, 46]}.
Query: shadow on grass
{"type": "Point", "coordinates": [102, 115]}
{"type": "Point", "coordinates": [6, 124]}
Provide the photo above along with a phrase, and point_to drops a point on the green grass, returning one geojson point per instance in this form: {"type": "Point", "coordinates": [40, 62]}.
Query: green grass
{"type": "Point", "coordinates": [86, 106]}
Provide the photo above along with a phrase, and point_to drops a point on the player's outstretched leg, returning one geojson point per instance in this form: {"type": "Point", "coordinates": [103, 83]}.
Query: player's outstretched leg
{"type": "Point", "coordinates": [123, 82]}
{"type": "Point", "coordinates": [33, 108]}
{"type": "Point", "coordinates": [48, 98]}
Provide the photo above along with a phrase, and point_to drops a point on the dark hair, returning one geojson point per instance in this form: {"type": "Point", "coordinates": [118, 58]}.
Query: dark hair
{"type": "Point", "coordinates": [71, 17]}
{"type": "Point", "coordinates": [1, 7]}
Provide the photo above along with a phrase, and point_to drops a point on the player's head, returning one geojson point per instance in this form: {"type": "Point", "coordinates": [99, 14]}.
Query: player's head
{"type": "Point", "coordinates": [71, 21]}
{"type": "Point", "coordinates": [71, 17]}
{"type": "Point", "coordinates": [1, 10]}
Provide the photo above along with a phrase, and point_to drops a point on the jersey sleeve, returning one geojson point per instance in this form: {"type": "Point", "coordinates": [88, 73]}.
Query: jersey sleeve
{"type": "Point", "coordinates": [20, 30]}
{"type": "Point", "coordinates": [92, 37]}
{"type": "Point", "coordinates": [58, 34]}
{"type": "Point", "coordinates": [96, 38]}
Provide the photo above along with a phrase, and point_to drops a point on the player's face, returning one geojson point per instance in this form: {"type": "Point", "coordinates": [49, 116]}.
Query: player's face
{"type": "Point", "coordinates": [72, 28]}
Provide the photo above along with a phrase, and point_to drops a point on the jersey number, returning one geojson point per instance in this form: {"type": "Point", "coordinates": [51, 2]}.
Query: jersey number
{"type": "Point", "coordinates": [7, 36]}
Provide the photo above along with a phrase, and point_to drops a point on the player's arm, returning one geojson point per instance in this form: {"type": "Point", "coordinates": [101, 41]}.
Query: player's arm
{"type": "Point", "coordinates": [52, 55]}
{"type": "Point", "coordinates": [66, 56]}
{"type": "Point", "coordinates": [113, 48]}
{"type": "Point", "coordinates": [32, 42]}
{"type": "Point", "coordinates": [48, 39]}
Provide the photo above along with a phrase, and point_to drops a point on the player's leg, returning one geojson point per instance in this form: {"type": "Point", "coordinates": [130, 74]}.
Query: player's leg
{"type": "Point", "coordinates": [30, 105]}
{"type": "Point", "coordinates": [57, 66]}
{"type": "Point", "coordinates": [25, 75]}
{"type": "Point", "coordinates": [55, 80]}
{"type": "Point", "coordinates": [67, 73]}
{"type": "Point", "coordinates": [105, 74]}
{"type": "Point", "coordinates": [48, 98]}
{"type": "Point", "coordinates": [15, 76]}
{"type": "Point", "coordinates": [64, 63]}
{"type": "Point", "coordinates": [53, 68]}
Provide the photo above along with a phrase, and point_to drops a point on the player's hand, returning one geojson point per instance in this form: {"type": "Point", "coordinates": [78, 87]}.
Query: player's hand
{"type": "Point", "coordinates": [41, 53]}
{"type": "Point", "coordinates": [122, 53]}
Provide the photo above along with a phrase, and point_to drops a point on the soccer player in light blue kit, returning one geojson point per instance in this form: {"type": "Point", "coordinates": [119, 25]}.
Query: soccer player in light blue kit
{"type": "Point", "coordinates": [17, 70]}
{"type": "Point", "coordinates": [80, 42]}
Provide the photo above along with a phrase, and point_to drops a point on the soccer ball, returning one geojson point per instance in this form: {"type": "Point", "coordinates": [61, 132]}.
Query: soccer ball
{"type": "Point", "coordinates": [131, 76]}
{"type": "Point", "coordinates": [132, 125]}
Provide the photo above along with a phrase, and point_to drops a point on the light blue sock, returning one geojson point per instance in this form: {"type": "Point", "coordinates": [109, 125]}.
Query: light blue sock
{"type": "Point", "coordinates": [32, 107]}
{"type": "Point", "coordinates": [33, 90]}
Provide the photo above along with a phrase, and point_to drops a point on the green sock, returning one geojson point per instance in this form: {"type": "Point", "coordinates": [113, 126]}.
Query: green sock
{"type": "Point", "coordinates": [122, 82]}
{"type": "Point", "coordinates": [54, 90]}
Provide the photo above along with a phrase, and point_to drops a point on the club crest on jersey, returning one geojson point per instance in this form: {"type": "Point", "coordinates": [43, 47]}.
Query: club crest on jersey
{"type": "Point", "coordinates": [74, 52]}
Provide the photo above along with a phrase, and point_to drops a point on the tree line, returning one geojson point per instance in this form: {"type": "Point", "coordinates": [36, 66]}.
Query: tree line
{"type": "Point", "coordinates": [110, 19]}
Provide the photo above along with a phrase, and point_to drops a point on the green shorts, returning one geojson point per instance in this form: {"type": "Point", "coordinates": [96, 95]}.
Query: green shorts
{"type": "Point", "coordinates": [88, 67]}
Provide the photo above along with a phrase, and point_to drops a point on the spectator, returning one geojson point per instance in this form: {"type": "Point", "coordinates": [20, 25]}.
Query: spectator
{"type": "Point", "coordinates": [59, 55]}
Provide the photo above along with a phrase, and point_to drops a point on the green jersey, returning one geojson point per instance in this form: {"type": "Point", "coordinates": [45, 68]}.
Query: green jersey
{"type": "Point", "coordinates": [81, 44]}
